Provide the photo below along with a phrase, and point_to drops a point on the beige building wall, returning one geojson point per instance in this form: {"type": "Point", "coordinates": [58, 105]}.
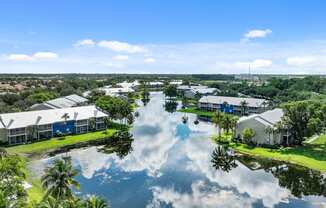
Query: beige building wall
{"type": "Point", "coordinates": [261, 137]}
{"type": "Point", "coordinates": [3, 135]}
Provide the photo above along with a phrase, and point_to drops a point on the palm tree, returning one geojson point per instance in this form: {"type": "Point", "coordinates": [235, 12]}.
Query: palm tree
{"type": "Point", "coordinates": [95, 202]}
{"type": "Point", "coordinates": [217, 119]}
{"type": "Point", "coordinates": [227, 123]}
{"type": "Point", "coordinates": [58, 179]}
{"type": "Point", "coordinates": [50, 202]}
{"type": "Point", "coordinates": [244, 106]}
{"type": "Point", "coordinates": [234, 122]}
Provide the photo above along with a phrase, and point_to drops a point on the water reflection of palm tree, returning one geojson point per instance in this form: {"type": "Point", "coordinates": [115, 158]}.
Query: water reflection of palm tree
{"type": "Point", "coordinates": [222, 160]}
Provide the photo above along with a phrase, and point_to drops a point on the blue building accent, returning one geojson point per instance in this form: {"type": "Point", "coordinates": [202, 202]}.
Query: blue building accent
{"type": "Point", "coordinates": [226, 108]}
{"type": "Point", "coordinates": [68, 127]}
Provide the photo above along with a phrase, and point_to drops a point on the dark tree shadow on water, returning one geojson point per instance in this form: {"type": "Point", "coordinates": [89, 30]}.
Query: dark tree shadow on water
{"type": "Point", "coordinates": [120, 143]}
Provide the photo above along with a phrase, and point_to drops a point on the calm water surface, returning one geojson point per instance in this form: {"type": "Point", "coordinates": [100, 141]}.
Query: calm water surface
{"type": "Point", "coordinates": [171, 164]}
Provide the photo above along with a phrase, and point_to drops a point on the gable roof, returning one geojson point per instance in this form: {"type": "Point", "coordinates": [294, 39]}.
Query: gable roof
{"type": "Point", "coordinates": [41, 117]}
{"type": "Point", "coordinates": [62, 102]}
{"type": "Point", "coordinates": [251, 102]}
{"type": "Point", "coordinates": [268, 118]}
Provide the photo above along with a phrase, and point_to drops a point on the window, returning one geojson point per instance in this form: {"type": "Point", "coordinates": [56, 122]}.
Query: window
{"type": "Point", "coordinates": [101, 119]}
{"type": "Point", "coordinates": [45, 127]}
{"type": "Point", "coordinates": [81, 122]}
{"type": "Point", "coordinates": [17, 131]}
{"type": "Point", "coordinates": [100, 126]}
{"type": "Point", "coordinates": [45, 135]}
{"type": "Point", "coordinates": [81, 129]}
{"type": "Point", "coordinates": [17, 139]}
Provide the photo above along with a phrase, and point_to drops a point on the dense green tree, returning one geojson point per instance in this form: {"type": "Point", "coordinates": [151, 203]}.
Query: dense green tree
{"type": "Point", "coordinates": [248, 134]}
{"type": "Point", "coordinates": [117, 108]}
{"type": "Point", "coordinates": [170, 91]}
{"type": "Point", "coordinates": [42, 96]}
{"type": "Point", "coordinates": [94, 95]}
{"type": "Point", "coordinates": [12, 176]}
{"type": "Point", "coordinates": [303, 119]}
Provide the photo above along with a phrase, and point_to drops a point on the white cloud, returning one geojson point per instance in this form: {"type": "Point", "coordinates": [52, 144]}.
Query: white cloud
{"type": "Point", "coordinates": [149, 60]}
{"type": "Point", "coordinates": [19, 57]}
{"type": "Point", "coordinates": [301, 60]}
{"type": "Point", "coordinates": [229, 58]}
{"type": "Point", "coordinates": [201, 195]}
{"type": "Point", "coordinates": [45, 55]}
{"type": "Point", "coordinates": [255, 64]}
{"type": "Point", "coordinates": [121, 46]}
{"type": "Point", "coordinates": [120, 58]}
{"type": "Point", "coordinates": [261, 63]}
{"type": "Point", "coordinates": [252, 34]}
{"type": "Point", "coordinates": [35, 57]}
{"type": "Point", "coordinates": [85, 42]}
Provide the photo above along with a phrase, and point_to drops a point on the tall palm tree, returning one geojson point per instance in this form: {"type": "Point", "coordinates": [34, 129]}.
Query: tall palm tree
{"type": "Point", "coordinates": [59, 178]}
{"type": "Point", "coordinates": [217, 119]}
{"type": "Point", "coordinates": [234, 122]}
{"type": "Point", "coordinates": [227, 123]}
{"type": "Point", "coordinates": [244, 106]}
{"type": "Point", "coordinates": [95, 202]}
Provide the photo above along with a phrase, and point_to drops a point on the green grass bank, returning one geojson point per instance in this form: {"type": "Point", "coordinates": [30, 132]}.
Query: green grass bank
{"type": "Point", "coordinates": [312, 155]}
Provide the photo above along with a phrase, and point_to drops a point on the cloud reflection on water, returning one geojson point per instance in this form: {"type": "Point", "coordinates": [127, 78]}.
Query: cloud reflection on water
{"type": "Point", "coordinates": [163, 146]}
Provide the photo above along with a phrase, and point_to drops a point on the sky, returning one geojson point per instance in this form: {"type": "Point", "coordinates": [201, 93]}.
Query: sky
{"type": "Point", "coordinates": [143, 36]}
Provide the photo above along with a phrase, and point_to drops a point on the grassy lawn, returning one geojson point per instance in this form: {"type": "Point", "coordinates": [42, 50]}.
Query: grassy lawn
{"type": "Point", "coordinates": [43, 146]}
{"type": "Point", "coordinates": [310, 155]}
{"type": "Point", "coordinates": [197, 112]}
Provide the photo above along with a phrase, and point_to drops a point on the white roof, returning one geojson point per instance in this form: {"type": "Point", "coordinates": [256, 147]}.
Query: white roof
{"type": "Point", "coordinates": [155, 83]}
{"type": "Point", "coordinates": [268, 118]}
{"type": "Point", "coordinates": [251, 102]}
{"type": "Point", "coordinates": [176, 82]}
{"type": "Point", "coordinates": [204, 90]}
{"type": "Point", "coordinates": [112, 91]}
{"type": "Point", "coordinates": [183, 87]}
{"type": "Point", "coordinates": [76, 98]}
{"type": "Point", "coordinates": [197, 87]}
{"type": "Point", "coordinates": [29, 118]}
{"type": "Point", "coordinates": [193, 87]}
{"type": "Point", "coordinates": [63, 102]}
{"type": "Point", "coordinates": [126, 84]}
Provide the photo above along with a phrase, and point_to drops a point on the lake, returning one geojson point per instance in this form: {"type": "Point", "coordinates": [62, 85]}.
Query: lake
{"type": "Point", "coordinates": [172, 164]}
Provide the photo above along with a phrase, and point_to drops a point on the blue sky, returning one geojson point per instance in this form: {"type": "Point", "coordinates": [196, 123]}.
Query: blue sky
{"type": "Point", "coordinates": [275, 36]}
